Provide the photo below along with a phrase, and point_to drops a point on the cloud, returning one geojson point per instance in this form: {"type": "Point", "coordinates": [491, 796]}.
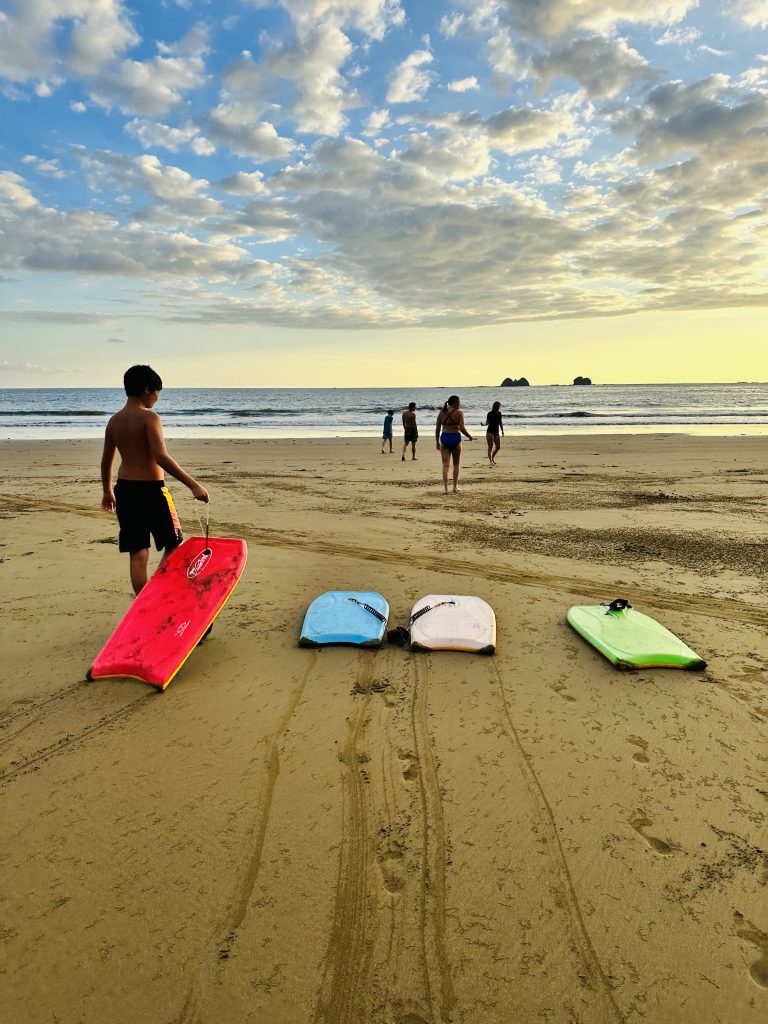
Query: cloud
{"type": "Point", "coordinates": [15, 191]}
{"type": "Point", "coordinates": [156, 85]}
{"type": "Point", "coordinates": [115, 341]}
{"type": "Point", "coordinates": [518, 129]}
{"type": "Point", "coordinates": [376, 122]}
{"type": "Point", "coordinates": [54, 316]}
{"type": "Point", "coordinates": [154, 133]}
{"type": "Point", "coordinates": [337, 165]}
{"type": "Point", "coordinates": [752, 13]}
{"type": "Point", "coordinates": [408, 82]}
{"type": "Point", "coordinates": [34, 368]}
{"type": "Point", "coordinates": [678, 37]}
{"type": "Point", "coordinates": [238, 126]}
{"type": "Point", "coordinates": [79, 37]}
{"type": "Point", "coordinates": [309, 59]}
{"type": "Point", "coordinates": [243, 184]}
{"type": "Point", "coordinates": [450, 154]}
{"type": "Point", "coordinates": [312, 62]}
{"type": "Point", "coordinates": [552, 18]}
{"type": "Point", "coordinates": [372, 17]}
{"type": "Point", "coordinates": [604, 67]}
{"type": "Point", "coordinates": [705, 116]}
{"type": "Point", "coordinates": [175, 188]}
{"type": "Point", "coordinates": [94, 244]}
{"type": "Point", "coordinates": [463, 84]}
{"type": "Point", "coordinates": [710, 49]}
{"type": "Point", "coordinates": [50, 168]}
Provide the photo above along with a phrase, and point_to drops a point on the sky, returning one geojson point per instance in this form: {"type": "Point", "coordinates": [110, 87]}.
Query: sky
{"type": "Point", "coordinates": [383, 192]}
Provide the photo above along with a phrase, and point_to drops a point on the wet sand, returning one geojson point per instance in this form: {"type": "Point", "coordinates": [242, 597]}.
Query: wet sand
{"type": "Point", "coordinates": [379, 837]}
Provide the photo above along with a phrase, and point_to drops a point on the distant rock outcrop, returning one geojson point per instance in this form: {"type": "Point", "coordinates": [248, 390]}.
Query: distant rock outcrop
{"type": "Point", "coordinates": [521, 382]}
{"type": "Point", "coordinates": [582, 380]}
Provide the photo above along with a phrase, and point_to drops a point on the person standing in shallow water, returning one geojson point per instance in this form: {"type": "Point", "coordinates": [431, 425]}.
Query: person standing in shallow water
{"type": "Point", "coordinates": [411, 430]}
{"type": "Point", "coordinates": [448, 430]}
{"type": "Point", "coordinates": [493, 421]}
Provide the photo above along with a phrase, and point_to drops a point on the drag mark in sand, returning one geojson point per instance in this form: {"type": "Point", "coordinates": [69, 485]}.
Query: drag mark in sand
{"type": "Point", "coordinates": [433, 867]}
{"type": "Point", "coordinates": [70, 741]}
{"type": "Point", "coordinates": [345, 985]}
{"type": "Point", "coordinates": [34, 711]}
{"type": "Point", "coordinates": [730, 610]}
{"type": "Point", "coordinates": [236, 912]}
{"type": "Point", "coordinates": [580, 936]}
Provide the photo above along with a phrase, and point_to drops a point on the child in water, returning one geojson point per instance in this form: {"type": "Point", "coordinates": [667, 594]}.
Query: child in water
{"type": "Point", "coordinates": [143, 503]}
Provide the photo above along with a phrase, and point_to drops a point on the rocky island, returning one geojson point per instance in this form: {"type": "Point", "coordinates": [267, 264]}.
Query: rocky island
{"type": "Point", "coordinates": [521, 382]}
{"type": "Point", "coordinates": [582, 380]}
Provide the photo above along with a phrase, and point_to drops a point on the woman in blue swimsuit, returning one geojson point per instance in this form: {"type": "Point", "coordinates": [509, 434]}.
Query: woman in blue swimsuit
{"type": "Point", "coordinates": [448, 431]}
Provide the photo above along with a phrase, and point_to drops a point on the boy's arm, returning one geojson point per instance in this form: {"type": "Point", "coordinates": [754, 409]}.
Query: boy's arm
{"type": "Point", "coordinates": [164, 460]}
{"type": "Point", "coordinates": [107, 462]}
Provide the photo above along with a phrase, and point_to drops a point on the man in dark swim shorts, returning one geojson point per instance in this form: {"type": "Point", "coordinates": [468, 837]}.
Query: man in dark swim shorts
{"type": "Point", "coordinates": [411, 430]}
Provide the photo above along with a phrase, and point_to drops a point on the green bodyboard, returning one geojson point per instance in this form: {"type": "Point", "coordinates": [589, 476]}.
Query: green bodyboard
{"type": "Point", "coordinates": [631, 640]}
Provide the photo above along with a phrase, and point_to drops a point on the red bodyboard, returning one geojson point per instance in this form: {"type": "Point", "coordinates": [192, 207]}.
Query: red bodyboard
{"type": "Point", "coordinates": [170, 615]}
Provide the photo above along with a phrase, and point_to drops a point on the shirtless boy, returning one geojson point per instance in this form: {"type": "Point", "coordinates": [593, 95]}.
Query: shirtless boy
{"type": "Point", "coordinates": [143, 503]}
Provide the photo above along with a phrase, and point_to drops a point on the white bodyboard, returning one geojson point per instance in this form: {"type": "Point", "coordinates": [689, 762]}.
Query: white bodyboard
{"type": "Point", "coordinates": [453, 622]}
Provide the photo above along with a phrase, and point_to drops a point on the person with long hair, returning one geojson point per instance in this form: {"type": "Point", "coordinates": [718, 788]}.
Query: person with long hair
{"type": "Point", "coordinates": [448, 431]}
{"type": "Point", "coordinates": [493, 421]}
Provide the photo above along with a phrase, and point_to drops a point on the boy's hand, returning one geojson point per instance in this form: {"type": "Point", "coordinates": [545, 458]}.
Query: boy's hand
{"type": "Point", "coordinates": [108, 501]}
{"type": "Point", "coordinates": [199, 492]}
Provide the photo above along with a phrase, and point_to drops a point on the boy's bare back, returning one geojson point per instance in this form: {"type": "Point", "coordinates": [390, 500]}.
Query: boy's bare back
{"type": "Point", "coordinates": [137, 434]}
{"type": "Point", "coordinates": [133, 431]}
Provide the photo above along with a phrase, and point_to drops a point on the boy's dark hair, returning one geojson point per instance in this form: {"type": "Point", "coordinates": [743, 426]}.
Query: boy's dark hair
{"type": "Point", "coordinates": [139, 379]}
{"type": "Point", "coordinates": [390, 412]}
{"type": "Point", "coordinates": [411, 405]}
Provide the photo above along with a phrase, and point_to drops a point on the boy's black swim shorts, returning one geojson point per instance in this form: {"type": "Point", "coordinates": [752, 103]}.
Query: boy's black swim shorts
{"type": "Point", "coordinates": [146, 507]}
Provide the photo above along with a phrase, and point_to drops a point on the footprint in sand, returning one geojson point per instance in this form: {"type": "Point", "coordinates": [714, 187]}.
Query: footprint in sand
{"type": "Point", "coordinates": [641, 755]}
{"type": "Point", "coordinates": [409, 1017]}
{"type": "Point", "coordinates": [639, 822]}
{"type": "Point", "coordinates": [366, 686]}
{"type": "Point", "coordinates": [559, 688]}
{"type": "Point", "coordinates": [410, 765]}
{"type": "Point", "coordinates": [391, 867]}
{"type": "Point", "coordinates": [758, 971]}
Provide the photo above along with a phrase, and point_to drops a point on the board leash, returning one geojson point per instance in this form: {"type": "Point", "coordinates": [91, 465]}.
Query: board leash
{"type": "Point", "coordinates": [203, 518]}
{"type": "Point", "coordinates": [369, 608]}
{"type": "Point", "coordinates": [428, 608]}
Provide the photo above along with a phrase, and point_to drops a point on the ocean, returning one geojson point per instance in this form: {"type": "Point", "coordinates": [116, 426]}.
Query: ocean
{"type": "Point", "coordinates": [71, 413]}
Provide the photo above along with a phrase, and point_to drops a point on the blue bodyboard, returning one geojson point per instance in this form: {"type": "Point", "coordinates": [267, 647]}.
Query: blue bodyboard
{"type": "Point", "coordinates": [357, 617]}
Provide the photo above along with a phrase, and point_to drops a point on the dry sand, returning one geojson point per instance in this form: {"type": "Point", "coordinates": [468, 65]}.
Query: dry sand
{"type": "Point", "coordinates": [344, 837]}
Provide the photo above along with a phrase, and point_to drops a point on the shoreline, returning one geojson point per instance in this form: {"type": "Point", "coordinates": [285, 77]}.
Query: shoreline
{"type": "Point", "coordinates": [174, 434]}
{"type": "Point", "coordinates": [288, 835]}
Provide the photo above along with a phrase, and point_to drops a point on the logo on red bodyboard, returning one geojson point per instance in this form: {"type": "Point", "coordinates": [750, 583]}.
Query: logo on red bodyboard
{"type": "Point", "coordinates": [198, 563]}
